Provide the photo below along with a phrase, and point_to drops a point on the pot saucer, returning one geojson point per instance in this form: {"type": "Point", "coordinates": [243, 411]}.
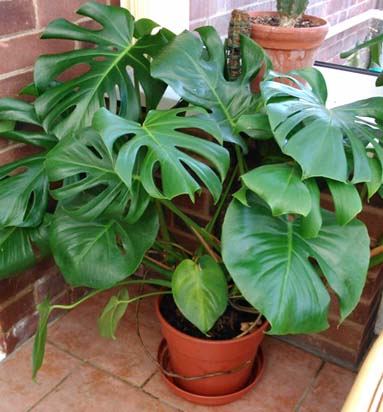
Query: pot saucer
{"type": "Point", "coordinates": [257, 371]}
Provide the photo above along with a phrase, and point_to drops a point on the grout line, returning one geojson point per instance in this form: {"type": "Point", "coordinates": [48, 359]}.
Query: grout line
{"type": "Point", "coordinates": [149, 378]}
{"type": "Point", "coordinates": [95, 366]}
{"type": "Point", "coordinates": [309, 387]}
{"type": "Point", "coordinates": [162, 400]}
{"type": "Point", "coordinates": [54, 387]}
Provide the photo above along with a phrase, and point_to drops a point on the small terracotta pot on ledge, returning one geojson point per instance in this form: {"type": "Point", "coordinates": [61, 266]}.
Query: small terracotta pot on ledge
{"type": "Point", "coordinates": [190, 357]}
{"type": "Point", "coordinates": [289, 48]}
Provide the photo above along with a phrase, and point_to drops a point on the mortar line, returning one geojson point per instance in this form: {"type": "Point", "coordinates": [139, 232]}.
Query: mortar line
{"type": "Point", "coordinates": [309, 387]}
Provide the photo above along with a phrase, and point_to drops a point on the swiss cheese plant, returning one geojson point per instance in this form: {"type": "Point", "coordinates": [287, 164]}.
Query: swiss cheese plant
{"type": "Point", "coordinates": [109, 167]}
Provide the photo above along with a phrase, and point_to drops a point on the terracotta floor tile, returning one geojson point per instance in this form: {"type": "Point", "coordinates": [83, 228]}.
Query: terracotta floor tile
{"type": "Point", "coordinates": [288, 373]}
{"type": "Point", "coordinates": [77, 333]}
{"type": "Point", "coordinates": [91, 390]}
{"type": "Point", "coordinates": [17, 391]}
{"type": "Point", "coordinates": [330, 390]}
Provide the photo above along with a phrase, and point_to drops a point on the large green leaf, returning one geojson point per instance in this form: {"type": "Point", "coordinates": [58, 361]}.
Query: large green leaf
{"type": "Point", "coordinates": [168, 149]}
{"type": "Point", "coordinates": [280, 185]}
{"type": "Point", "coordinates": [69, 106]}
{"type": "Point", "coordinates": [194, 68]}
{"type": "Point", "coordinates": [23, 192]}
{"type": "Point", "coordinates": [19, 122]}
{"type": "Point", "coordinates": [273, 267]}
{"type": "Point", "coordinates": [101, 252]}
{"type": "Point", "coordinates": [200, 291]}
{"type": "Point", "coordinates": [319, 139]}
{"type": "Point", "coordinates": [21, 248]}
{"type": "Point", "coordinates": [91, 187]}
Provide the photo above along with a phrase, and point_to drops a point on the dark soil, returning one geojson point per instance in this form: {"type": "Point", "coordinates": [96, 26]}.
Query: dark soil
{"type": "Point", "coordinates": [229, 325]}
{"type": "Point", "coordinates": [275, 21]}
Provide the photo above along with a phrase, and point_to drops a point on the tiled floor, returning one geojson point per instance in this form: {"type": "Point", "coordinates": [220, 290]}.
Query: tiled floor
{"type": "Point", "coordinates": [83, 372]}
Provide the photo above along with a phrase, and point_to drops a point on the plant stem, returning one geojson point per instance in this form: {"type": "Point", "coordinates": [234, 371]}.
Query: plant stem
{"type": "Point", "coordinates": [222, 200]}
{"type": "Point", "coordinates": [146, 295]}
{"type": "Point", "coordinates": [163, 226]}
{"type": "Point", "coordinates": [205, 245]}
{"type": "Point", "coordinates": [96, 292]}
{"type": "Point", "coordinates": [189, 222]}
{"type": "Point", "coordinates": [376, 251]}
{"type": "Point", "coordinates": [240, 160]}
{"type": "Point", "coordinates": [153, 264]}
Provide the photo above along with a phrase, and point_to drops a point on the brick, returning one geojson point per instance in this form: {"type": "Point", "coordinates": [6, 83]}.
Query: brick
{"type": "Point", "coordinates": [49, 286]}
{"type": "Point", "coordinates": [16, 16]}
{"type": "Point", "coordinates": [49, 10]}
{"type": "Point", "coordinates": [327, 350]}
{"type": "Point", "coordinates": [14, 285]}
{"type": "Point", "coordinates": [198, 9]}
{"type": "Point", "coordinates": [16, 151]}
{"type": "Point", "coordinates": [11, 86]}
{"type": "Point", "coordinates": [20, 332]}
{"type": "Point", "coordinates": [21, 52]}
{"type": "Point", "coordinates": [221, 23]}
{"type": "Point", "coordinates": [19, 307]}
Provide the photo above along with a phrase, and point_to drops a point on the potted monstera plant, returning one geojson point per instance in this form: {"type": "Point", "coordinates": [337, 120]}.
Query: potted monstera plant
{"type": "Point", "coordinates": [290, 37]}
{"type": "Point", "coordinates": [115, 172]}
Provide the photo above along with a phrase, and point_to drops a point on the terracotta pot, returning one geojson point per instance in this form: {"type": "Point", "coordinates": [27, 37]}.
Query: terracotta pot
{"type": "Point", "coordinates": [210, 400]}
{"type": "Point", "coordinates": [289, 48]}
{"type": "Point", "coordinates": [191, 356]}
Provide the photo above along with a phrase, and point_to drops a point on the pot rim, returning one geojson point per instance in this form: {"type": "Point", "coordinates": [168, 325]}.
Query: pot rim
{"type": "Point", "coordinates": [261, 329]}
{"type": "Point", "coordinates": [323, 23]}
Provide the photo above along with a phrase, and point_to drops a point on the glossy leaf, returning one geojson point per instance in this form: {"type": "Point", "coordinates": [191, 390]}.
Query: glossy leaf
{"type": "Point", "coordinates": [112, 314]}
{"type": "Point", "coordinates": [168, 151]}
{"type": "Point", "coordinates": [255, 125]}
{"type": "Point", "coordinates": [69, 106]}
{"type": "Point", "coordinates": [346, 199]}
{"type": "Point", "coordinates": [194, 68]}
{"type": "Point", "coordinates": [310, 225]}
{"type": "Point", "coordinates": [273, 265]}
{"type": "Point", "coordinates": [280, 185]}
{"type": "Point", "coordinates": [314, 135]}
{"type": "Point", "coordinates": [23, 192]}
{"type": "Point", "coordinates": [200, 291]}
{"type": "Point", "coordinates": [102, 252]}
{"type": "Point", "coordinates": [91, 187]}
{"type": "Point", "coordinates": [16, 117]}
{"type": "Point", "coordinates": [376, 177]}
{"type": "Point", "coordinates": [22, 247]}
{"type": "Point", "coordinates": [44, 309]}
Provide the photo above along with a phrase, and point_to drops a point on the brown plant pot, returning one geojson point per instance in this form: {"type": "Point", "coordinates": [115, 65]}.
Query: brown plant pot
{"type": "Point", "coordinates": [190, 356]}
{"type": "Point", "coordinates": [289, 48]}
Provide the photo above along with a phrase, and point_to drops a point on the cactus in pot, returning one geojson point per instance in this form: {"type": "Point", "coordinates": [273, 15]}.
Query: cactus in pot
{"type": "Point", "coordinates": [291, 11]}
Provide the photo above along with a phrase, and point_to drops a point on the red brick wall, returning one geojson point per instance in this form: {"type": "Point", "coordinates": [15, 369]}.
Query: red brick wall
{"type": "Point", "coordinates": [21, 24]}
{"type": "Point", "coordinates": [217, 12]}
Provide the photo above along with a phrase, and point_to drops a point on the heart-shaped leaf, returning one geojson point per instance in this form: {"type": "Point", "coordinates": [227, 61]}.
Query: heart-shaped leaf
{"type": "Point", "coordinates": [112, 314]}
{"type": "Point", "coordinates": [200, 291]}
